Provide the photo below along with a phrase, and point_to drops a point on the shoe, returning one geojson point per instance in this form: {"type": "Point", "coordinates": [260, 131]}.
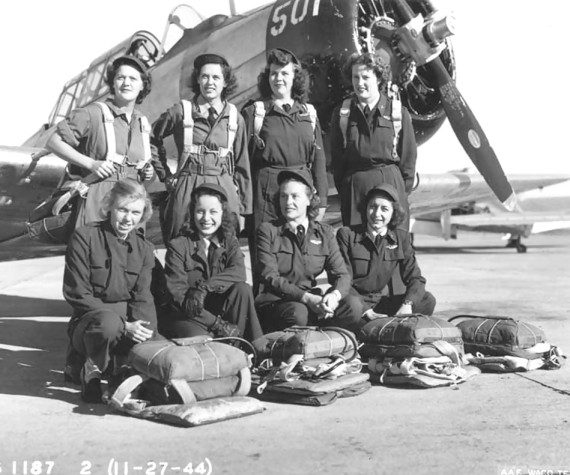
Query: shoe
{"type": "Point", "coordinates": [91, 383]}
{"type": "Point", "coordinates": [222, 329]}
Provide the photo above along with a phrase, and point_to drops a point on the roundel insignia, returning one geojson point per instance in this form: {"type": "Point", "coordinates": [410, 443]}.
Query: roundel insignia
{"type": "Point", "coordinates": [474, 139]}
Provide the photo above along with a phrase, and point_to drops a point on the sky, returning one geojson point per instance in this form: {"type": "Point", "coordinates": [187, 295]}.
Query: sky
{"type": "Point", "coordinates": [511, 55]}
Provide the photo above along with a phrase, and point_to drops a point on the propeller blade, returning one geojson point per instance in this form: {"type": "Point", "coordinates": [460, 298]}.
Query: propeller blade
{"type": "Point", "coordinates": [471, 135]}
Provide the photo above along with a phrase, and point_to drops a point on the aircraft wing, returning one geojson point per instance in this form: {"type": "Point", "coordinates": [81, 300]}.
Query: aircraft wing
{"type": "Point", "coordinates": [438, 192]}
{"type": "Point", "coordinates": [508, 219]}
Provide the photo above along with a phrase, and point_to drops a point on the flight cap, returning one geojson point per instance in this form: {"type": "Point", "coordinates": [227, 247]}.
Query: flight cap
{"type": "Point", "coordinates": [301, 174]}
{"type": "Point", "coordinates": [131, 61]}
{"type": "Point", "coordinates": [209, 58]}
{"type": "Point", "coordinates": [212, 187]}
{"type": "Point", "coordinates": [384, 189]}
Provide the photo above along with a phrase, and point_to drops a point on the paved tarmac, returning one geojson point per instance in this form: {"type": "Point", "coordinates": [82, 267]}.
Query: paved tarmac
{"type": "Point", "coordinates": [498, 424]}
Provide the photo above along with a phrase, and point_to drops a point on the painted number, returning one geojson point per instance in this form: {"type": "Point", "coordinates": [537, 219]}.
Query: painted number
{"type": "Point", "coordinates": [297, 14]}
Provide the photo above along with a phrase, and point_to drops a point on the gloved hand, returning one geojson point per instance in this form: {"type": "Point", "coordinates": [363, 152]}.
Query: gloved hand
{"type": "Point", "coordinates": [194, 302]}
{"type": "Point", "coordinates": [221, 328]}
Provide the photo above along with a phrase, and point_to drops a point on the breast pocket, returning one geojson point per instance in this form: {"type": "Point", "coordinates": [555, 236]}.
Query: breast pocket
{"type": "Point", "coordinates": [99, 275]}
{"type": "Point", "coordinates": [393, 254]}
{"type": "Point", "coordinates": [132, 275]}
{"type": "Point", "coordinates": [360, 261]}
{"type": "Point", "coordinates": [284, 253]}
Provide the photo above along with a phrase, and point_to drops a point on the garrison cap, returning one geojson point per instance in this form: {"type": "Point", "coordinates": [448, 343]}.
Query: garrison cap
{"type": "Point", "coordinates": [294, 58]}
{"type": "Point", "coordinates": [131, 61]}
{"type": "Point", "coordinates": [212, 187]}
{"type": "Point", "coordinates": [209, 58]}
{"type": "Point", "coordinates": [301, 174]}
{"type": "Point", "coordinates": [383, 189]}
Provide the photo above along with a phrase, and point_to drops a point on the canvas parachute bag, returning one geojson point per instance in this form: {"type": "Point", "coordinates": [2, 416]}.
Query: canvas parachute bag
{"type": "Point", "coordinates": [187, 381]}
{"type": "Point", "coordinates": [309, 366]}
{"type": "Point", "coordinates": [415, 350]}
{"type": "Point", "coordinates": [503, 344]}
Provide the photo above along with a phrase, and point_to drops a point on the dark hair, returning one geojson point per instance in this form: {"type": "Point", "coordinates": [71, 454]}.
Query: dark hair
{"type": "Point", "coordinates": [398, 216]}
{"type": "Point", "coordinates": [314, 200]}
{"type": "Point", "coordinates": [145, 76]}
{"type": "Point", "coordinates": [382, 70]}
{"type": "Point", "coordinates": [300, 88]}
{"type": "Point", "coordinates": [127, 189]}
{"type": "Point", "coordinates": [226, 230]}
{"type": "Point", "coordinates": [229, 78]}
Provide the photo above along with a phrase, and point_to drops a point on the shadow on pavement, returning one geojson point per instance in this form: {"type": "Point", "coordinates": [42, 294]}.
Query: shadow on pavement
{"type": "Point", "coordinates": [32, 355]}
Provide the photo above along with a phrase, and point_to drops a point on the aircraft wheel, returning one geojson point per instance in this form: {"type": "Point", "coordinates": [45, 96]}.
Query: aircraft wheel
{"type": "Point", "coordinates": [521, 248]}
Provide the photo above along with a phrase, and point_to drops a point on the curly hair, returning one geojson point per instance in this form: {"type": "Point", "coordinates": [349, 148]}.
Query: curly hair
{"type": "Point", "coordinates": [229, 78]}
{"type": "Point", "coordinates": [382, 70]}
{"type": "Point", "coordinates": [314, 200]}
{"type": "Point", "coordinates": [398, 215]}
{"type": "Point", "coordinates": [228, 226]}
{"type": "Point", "coordinates": [127, 190]}
{"type": "Point", "coordinates": [300, 87]}
{"type": "Point", "coordinates": [112, 70]}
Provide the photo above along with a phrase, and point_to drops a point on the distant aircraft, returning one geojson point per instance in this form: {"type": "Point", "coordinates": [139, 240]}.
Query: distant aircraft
{"type": "Point", "coordinates": [412, 35]}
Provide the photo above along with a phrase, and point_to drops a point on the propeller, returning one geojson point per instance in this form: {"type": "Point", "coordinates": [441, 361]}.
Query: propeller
{"type": "Point", "coordinates": [423, 42]}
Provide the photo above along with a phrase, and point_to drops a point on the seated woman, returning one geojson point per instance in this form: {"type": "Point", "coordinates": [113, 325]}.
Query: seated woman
{"type": "Point", "coordinates": [292, 252]}
{"type": "Point", "coordinates": [376, 249]}
{"type": "Point", "coordinates": [107, 278]}
{"type": "Point", "coordinates": [205, 273]}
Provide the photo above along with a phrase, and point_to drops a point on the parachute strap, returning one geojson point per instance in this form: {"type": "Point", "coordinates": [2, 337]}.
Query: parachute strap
{"type": "Point", "coordinates": [259, 115]}
{"type": "Point", "coordinates": [145, 134]}
{"type": "Point", "coordinates": [108, 125]}
{"type": "Point", "coordinates": [188, 121]}
{"type": "Point", "coordinates": [312, 115]}
{"type": "Point", "coordinates": [344, 113]}
{"type": "Point", "coordinates": [232, 130]}
{"type": "Point", "coordinates": [396, 116]}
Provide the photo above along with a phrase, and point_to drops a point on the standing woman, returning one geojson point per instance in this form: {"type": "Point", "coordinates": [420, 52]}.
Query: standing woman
{"type": "Point", "coordinates": [107, 141]}
{"type": "Point", "coordinates": [372, 139]}
{"type": "Point", "coordinates": [108, 267]}
{"type": "Point", "coordinates": [283, 132]}
{"type": "Point", "coordinates": [376, 249]}
{"type": "Point", "coordinates": [205, 273]}
{"type": "Point", "coordinates": [292, 251]}
{"type": "Point", "coordinates": [211, 139]}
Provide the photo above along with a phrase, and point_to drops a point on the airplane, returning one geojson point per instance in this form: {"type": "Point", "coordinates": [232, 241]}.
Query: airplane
{"type": "Point", "coordinates": [413, 35]}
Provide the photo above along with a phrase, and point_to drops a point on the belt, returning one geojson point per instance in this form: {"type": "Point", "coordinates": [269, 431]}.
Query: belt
{"type": "Point", "coordinates": [201, 169]}
{"type": "Point", "coordinates": [280, 168]}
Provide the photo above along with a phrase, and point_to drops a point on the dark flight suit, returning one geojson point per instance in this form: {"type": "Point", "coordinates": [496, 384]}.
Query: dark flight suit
{"type": "Point", "coordinates": [288, 270]}
{"type": "Point", "coordinates": [287, 140]}
{"type": "Point", "coordinates": [85, 132]}
{"type": "Point", "coordinates": [223, 275]}
{"type": "Point", "coordinates": [107, 282]}
{"type": "Point", "coordinates": [371, 268]}
{"type": "Point", "coordinates": [233, 174]}
{"type": "Point", "coordinates": [367, 160]}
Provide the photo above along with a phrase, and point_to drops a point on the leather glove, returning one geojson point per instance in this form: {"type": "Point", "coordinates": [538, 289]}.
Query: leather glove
{"type": "Point", "coordinates": [221, 328]}
{"type": "Point", "coordinates": [194, 302]}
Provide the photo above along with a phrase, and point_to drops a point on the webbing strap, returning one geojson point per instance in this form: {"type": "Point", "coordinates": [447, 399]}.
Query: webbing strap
{"type": "Point", "coordinates": [123, 392]}
{"type": "Point", "coordinates": [259, 115]}
{"type": "Point", "coordinates": [447, 349]}
{"type": "Point", "coordinates": [188, 125]}
{"type": "Point", "coordinates": [182, 388]}
{"type": "Point", "coordinates": [312, 115]}
{"type": "Point", "coordinates": [145, 135]}
{"type": "Point", "coordinates": [343, 119]}
{"type": "Point", "coordinates": [217, 360]}
{"type": "Point", "coordinates": [108, 120]}
{"type": "Point", "coordinates": [396, 113]}
{"type": "Point", "coordinates": [232, 128]}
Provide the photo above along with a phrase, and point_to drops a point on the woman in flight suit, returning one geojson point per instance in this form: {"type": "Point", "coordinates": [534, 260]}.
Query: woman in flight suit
{"type": "Point", "coordinates": [292, 252]}
{"type": "Point", "coordinates": [212, 147]}
{"type": "Point", "coordinates": [107, 278]}
{"type": "Point", "coordinates": [367, 147]}
{"type": "Point", "coordinates": [82, 138]}
{"type": "Point", "coordinates": [288, 136]}
{"type": "Point", "coordinates": [374, 251]}
{"type": "Point", "coordinates": [205, 274]}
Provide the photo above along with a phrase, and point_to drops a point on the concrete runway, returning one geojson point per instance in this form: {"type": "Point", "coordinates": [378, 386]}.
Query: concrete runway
{"type": "Point", "coordinates": [498, 424]}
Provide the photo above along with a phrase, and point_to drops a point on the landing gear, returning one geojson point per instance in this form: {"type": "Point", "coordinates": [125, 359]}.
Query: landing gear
{"type": "Point", "coordinates": [516, 243]}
